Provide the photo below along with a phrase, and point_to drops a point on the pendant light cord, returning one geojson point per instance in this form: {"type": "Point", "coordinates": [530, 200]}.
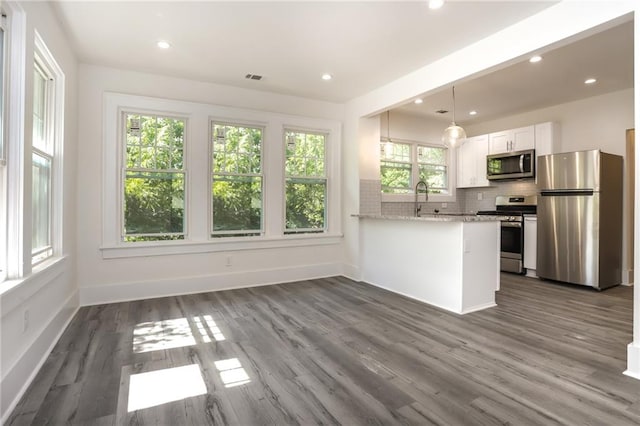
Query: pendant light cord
{"type": "Point", "coordinates": [453, 88]}
{"type": "Point", "coordinates": [388, 125]}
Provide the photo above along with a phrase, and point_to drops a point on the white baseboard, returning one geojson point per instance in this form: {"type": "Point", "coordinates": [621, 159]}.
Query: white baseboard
{"type": "Point", "coordinates": [123, 292]}
{"type": "Point", "coordinates": [18, 377]}
{"type": "Point", "coordinates": [633, 360]}
{"type": "Point", "coordinates": [352, 272]}
{"type": "Point", "coordinates": [460, 312]}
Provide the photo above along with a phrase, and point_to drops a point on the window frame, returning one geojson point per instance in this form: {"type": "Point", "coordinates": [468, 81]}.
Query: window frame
{"type": "Point", "coordinates": [450, 196]}
{"type": "Point", "coordinates": [198, 194]}
{"type": "Point", "coordinates": [4, 120]}
{"type": "Point", "coordinates": [243, 234]}
{"type": "Point", "coordinates": [124, 169]}
{"type": "Point", "coordinates": [299, 231]}
{"type": "Point", "coordinates": [54, 128]}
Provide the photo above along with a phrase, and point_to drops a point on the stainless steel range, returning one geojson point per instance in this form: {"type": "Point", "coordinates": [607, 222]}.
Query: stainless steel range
{"type": "Point", "coordinates": [511, 209]}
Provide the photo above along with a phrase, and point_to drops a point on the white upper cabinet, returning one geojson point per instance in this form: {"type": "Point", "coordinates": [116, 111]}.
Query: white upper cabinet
{"type": "Point", "coordinates": [472, 162]}
{"type": "Point", "coordinates": [512, 140]}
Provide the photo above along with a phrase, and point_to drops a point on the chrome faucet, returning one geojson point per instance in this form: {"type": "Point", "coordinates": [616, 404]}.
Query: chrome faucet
{"type": "Point", "coordinates": [417, 207]}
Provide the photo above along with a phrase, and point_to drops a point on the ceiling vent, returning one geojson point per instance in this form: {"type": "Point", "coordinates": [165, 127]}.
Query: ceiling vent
{"type": "Point", "coordinates": [441, 111]}
{"type": "Point", "coordinates": [253, 77]}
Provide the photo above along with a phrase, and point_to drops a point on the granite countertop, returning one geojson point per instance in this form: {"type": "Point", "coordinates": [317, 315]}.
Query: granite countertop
{"type": "Point", "coordinates": [433, 217]}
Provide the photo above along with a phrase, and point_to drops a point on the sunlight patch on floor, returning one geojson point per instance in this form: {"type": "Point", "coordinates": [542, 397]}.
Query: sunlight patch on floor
{"type": "Point", "coordinates": [211, 325]}
{"type": "Point", "coordinates": [162, 386]}
{"type": "Point", "coordinates": [232, 373]}
{"type": "Point", "coordinates": [159, 335]}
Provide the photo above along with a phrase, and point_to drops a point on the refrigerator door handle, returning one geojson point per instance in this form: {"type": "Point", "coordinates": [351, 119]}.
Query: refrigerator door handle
{"type": "Point", "coordinates": [565, 192]}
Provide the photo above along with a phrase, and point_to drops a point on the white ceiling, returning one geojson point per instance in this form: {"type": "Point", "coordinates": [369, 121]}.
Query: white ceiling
{"type": "Point", "coordinates": [364, 45]}
{"type": "Point", "coordinates": [558, 78]}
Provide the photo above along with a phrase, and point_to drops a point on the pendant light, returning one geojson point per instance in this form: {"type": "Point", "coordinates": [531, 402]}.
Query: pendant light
{"type": "Point", "coordinates": [453, 133]}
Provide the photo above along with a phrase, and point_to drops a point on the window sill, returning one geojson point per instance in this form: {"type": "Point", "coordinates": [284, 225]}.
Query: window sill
{"type": "Point", "coordinates": [14, 292]}
{"type": "Point", "coordinates": [166, 248]}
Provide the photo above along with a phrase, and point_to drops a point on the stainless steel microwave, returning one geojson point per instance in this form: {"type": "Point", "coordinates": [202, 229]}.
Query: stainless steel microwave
{"type": "Point", "coordinates": [511, 165]}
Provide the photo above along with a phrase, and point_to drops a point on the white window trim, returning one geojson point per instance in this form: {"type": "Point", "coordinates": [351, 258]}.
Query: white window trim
{"type": "Point", "coordinates": [15, 131]}
{"type": "Point", "coordinates": [4, 25]}
{"type": "Point", "coordinates": [199, 116]}
{"type": "Point", "coordinates": [56, 104]}
{"type": "Point", "coordinates": [410, 197]}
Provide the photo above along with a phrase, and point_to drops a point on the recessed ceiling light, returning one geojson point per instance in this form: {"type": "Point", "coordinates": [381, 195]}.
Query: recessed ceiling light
{"type": "Point", "coordinates": [590, 81]}
{"type": "Point", "coordinates": [535, 59]}
{"type": "Point", "coordinates": [435, 4]}
{"type": "Point", "coordinates": [417, 101]}
{"type": "Point", "coordinates": [327, 77]}
{"type": "Point", "coordinates": [163, 44]}
{"type": "Point", "coordinates": [473, 112]}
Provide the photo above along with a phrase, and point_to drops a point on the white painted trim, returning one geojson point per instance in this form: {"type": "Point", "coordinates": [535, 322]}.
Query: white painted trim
{"type": "Point", "coordinates": [35, 356]}
{"type": "Point", "coordinates": [15, 292]}
{"type": "Point", "coordinates": [55, 126]}
{"type": "Point", "coordinates": [16, 133]}
{"type": "Point", "coordinates": [633, 360]}
{"type": "Point", "coordinates": [478, 308]}
{"type": "Point", "coordinates": [162, 248]}
{"type": "Point", "coordinates": [274, 123]}
{"type": "Point", "coordinates": [352, 272]}
{"type": "Point", "coordinates": [417, 298]}
{"type": "Point", "coordinates": [205, 283]}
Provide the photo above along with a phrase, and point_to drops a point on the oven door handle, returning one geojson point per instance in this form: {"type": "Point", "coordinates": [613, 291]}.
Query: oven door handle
{"type": "Point", "coordinates": [511, 224]}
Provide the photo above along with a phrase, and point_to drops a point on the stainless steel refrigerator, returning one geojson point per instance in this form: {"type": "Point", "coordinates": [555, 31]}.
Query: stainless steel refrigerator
{"type": "Point", "coordinates": [580, 218]}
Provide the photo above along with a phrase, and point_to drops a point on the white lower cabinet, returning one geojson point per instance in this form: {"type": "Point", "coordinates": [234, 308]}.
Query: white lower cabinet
{"type": "Point", "coordinates": [530, 244]}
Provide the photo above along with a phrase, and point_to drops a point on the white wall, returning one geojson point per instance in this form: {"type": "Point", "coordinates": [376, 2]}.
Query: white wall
{"type": "Point", "coordinates": [102, 280]}
{"type": "Point", "coordinates": [412, 127]}
{"type": "Point", "coordinates": [598, 122]}
{"type": "Point", "coordinates": [49, 295]}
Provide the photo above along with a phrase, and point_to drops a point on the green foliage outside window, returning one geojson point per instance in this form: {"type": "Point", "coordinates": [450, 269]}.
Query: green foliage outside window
{"type": "Point", "coordinates": [237, 180]}
{"type": "Point", "coordinates": [399, 171]}
{"type": "Point", "coordinates": [395, 168]}
{"type": "Point", "coordinates": [306, 183]}
{"type": "Point", "coordinates": [432, 168]}
{"type": "Point", "coordinates": [154, 179]}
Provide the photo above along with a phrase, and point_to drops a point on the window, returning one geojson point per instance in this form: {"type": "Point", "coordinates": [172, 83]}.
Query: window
{"type": "Point", "coordinates": [154, 178]}
{"type": "Point", "coordinates": [395, 168]}
{"type": "Point", "coordinates": [2, 87]}
{"type": "Point", "coordinates": [305, 182]}
{"type": "Point", "coordinates": [189, 177]}
{"type": "Point", "coordinates": [42, 162]}
{"type": "Point", "coordinates": [3, 157]}
{"type": "Point", "coordinates": [404, 164]}
{"type": "Point", "coordinates": [432, 168]}
{"type": "Point", "coordinates": [236, 180]}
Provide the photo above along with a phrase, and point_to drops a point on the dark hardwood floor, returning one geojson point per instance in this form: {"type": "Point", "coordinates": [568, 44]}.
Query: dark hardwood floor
{"type": "Point", "coordinates": [334, 351]}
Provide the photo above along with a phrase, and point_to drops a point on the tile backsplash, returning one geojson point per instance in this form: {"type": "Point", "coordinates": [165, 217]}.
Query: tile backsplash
{"type": "Point", "coordinates": [370, 196]}
{"type": "Point", "coordinates": [407, 209]}
{"type": "Point", "coordinates": [469, 196]}
{"type": "Point", "coordinates": [466, 198]}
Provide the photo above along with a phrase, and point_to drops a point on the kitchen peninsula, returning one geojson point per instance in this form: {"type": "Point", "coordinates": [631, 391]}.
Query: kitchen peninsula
{"type": "Point", "coordinates": [449, 261]}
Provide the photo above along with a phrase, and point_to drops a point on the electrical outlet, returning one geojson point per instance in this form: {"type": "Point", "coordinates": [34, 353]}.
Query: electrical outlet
{"type": "Point", "coordinates": [25, 323]}
{"type": "Point", "coordinates": [479, 196]}
{"type": "Point", "coordinates": [229, 262]}
{"type": "Point", "coordinates": [444, 205]}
